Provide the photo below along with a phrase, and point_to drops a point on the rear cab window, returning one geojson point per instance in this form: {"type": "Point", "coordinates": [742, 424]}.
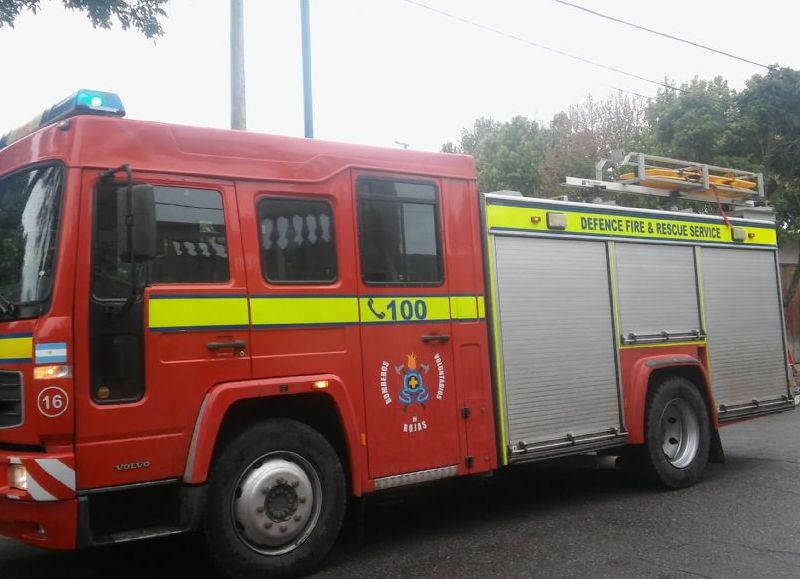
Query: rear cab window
{"type": "Point", "coordinates": [399, 232]}
{"type": "Point", "coordinates": [298, 243]}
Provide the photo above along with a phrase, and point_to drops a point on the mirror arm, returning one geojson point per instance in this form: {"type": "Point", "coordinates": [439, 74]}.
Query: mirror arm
{"type": "Point", "coordinates": [129, 228]}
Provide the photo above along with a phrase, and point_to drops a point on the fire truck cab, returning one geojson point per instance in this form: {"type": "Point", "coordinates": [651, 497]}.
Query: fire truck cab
{"type": "Point", "coordinates": [236, 332]}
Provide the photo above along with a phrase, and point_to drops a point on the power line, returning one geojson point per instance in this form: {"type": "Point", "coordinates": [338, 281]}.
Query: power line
{"type": "Point", "coordinates": [664, 34]}
{"type": "Point", "coordinates": [542, 46]}
{"type": "Point", "coordinates": [634, 93]}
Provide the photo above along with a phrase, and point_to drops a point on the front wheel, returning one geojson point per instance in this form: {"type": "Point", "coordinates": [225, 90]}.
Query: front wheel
{"type": "Point", "coordinates": [276, 500]}
{"type": "Point", "coordinates": [677, 434]}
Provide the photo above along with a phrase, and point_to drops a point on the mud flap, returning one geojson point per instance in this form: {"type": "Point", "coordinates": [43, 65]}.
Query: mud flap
{"type": "Point", "coordinates": [716, 453]}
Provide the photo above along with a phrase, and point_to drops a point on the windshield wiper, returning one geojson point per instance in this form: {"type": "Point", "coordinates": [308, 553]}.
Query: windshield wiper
{"type": "Point", "coordinates": [8, 309]}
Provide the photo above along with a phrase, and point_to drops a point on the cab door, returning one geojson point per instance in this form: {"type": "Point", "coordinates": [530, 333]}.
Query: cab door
{"type": "Point", "coordinates": [410, 399]}
{"type": "Point", "coordinates": [145, 365]}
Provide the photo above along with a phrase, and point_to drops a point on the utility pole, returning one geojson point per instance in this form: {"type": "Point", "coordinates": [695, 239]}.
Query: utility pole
{"type": "Point", "coordinates": [308, 109]}
{"type": "Point", "coordinates": [238, 108]}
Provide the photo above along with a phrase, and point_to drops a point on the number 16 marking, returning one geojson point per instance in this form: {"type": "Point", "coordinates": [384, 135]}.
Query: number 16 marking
{"type": "Point", "coordinates": [52, 401]}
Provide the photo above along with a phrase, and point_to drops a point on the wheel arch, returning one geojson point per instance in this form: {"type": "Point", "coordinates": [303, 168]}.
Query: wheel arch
{"type": "Point", "coordinates": [648, 372]}
{"type": "Point", "coordinates": [230, 408]}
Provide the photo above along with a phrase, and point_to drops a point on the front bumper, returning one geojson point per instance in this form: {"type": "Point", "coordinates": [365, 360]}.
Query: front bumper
{"type": "Point", "coordinates": [51, 525]}
{"type": "Point", "coordinates": [45, 512]}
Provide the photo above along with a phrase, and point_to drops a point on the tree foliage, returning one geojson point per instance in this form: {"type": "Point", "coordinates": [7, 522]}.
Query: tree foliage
{"type": "Point", "coordinates": [690, 122]}
{"type": "Point", "coordinates": [522, 155]}
{"type": "Point", "coordinates": [756, 129]}
{"type": "Point", "coordinates": [588, 132]}
{"type": "Point", "coordinates": [768, 133]}
{"type": "Point", "coordinates": [142, 15]}
{"type": "Point", "coordinates": [508, 155]}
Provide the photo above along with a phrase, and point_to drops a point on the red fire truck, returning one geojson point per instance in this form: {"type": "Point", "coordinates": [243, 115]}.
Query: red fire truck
{"type": "Point", "coordinates": [238, 333]}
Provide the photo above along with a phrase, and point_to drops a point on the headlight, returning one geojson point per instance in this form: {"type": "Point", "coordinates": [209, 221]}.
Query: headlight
{"type": "Point", "coordinates": [18, 477]}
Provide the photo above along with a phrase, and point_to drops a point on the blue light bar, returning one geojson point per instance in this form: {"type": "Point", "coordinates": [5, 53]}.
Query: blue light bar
{"type": "Point", "coordinates": [90, 102]}
{"type": "Point", "coordinates": [83, 102]}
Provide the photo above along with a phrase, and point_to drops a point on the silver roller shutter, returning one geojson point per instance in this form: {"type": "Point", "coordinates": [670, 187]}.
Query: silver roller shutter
{"type": "Point", "coordinates": [556, 337]}
{"type": "Point", "coordinates": [657, 289]}
{"type": "Point", "coordinates": [745, 340]}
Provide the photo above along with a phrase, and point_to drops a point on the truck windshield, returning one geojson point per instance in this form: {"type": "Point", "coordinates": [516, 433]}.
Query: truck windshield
{"type": "Point", "coordinates": [30, 203]}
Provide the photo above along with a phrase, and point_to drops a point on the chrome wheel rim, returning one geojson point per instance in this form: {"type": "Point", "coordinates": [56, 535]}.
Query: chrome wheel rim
{"type": "Point", "coordinates": [276, 503]}
{"type": "Point", "coordinates": [680, 433]}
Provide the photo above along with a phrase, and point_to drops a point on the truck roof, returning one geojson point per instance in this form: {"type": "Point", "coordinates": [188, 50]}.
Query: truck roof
{"type": "Point", "coordinates": [103, 142]}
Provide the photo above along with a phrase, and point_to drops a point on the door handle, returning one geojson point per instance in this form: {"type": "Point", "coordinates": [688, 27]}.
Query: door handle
{"type": "Point", "coordinates": [429, 338]}
{"type": "Point", "coordinates": [234, 344]}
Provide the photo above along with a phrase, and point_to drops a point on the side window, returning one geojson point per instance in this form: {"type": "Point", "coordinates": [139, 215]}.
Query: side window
{"type": "Point", "coordinates": [399, 235]}
{"type": "Point", "coordinates": [190, 236]}
{"type": "Point", "coordinates": [190, 225]}
{"type": "Point", "coordinates": [297, 241]}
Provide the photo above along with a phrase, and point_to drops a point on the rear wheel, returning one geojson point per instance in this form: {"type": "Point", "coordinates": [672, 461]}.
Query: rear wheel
{"type": "Point", "coordinates": [276, 501]}
{"type": "Point", "coordinates": [677, 434]}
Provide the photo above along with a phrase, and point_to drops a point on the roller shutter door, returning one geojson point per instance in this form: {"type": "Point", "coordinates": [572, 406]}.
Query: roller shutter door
{"type": "Point", "coordinates": [556, 338]}
{"type": "Point", "coordinates": [743, 316]}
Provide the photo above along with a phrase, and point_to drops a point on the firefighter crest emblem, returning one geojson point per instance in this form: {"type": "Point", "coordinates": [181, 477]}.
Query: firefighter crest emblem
{"type": "Point", "coordinates": [414, 389]}
{"type": "Point", "coordinates": [415, 383]}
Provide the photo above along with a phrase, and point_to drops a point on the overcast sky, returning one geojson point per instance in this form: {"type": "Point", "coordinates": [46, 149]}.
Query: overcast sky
{"type": "Point", "coordinates": [384, 70]}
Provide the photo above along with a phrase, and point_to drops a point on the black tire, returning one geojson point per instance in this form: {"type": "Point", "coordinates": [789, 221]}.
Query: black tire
{"type": "Point", "coordinates": [268, 478]}
{"type": "Point", "coordinates": [677, 434]}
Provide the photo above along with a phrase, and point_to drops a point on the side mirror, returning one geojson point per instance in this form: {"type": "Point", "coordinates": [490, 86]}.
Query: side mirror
{"type": "Point", "coordinates": [137, 227]}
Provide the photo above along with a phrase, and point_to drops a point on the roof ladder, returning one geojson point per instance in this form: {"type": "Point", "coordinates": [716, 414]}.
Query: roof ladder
{"type": "Point", "coordinates": [665, 177]}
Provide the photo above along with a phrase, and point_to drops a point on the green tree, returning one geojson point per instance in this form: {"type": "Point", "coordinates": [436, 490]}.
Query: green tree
{"type": "Point", "coordinates": [142, 15]}
{"type": "Point", "coordinates": [588, 132]}
{"type": "Point", "coordinates": [521, 155]}
{"type": "Point", "coordinates": [757, 129]}
{"type": "Point", "coordinates": [766, 132]}
{"type": "Point", "coordinates": [507, 155]}
{"type": "Point", "coordinates": [691, 122]}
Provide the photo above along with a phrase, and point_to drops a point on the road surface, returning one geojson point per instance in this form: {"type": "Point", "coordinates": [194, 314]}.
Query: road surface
{"type": "Point", "coordinates": [742, 520]}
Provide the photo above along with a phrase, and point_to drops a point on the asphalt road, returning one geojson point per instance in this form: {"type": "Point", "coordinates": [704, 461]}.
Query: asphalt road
{"type": "Point", "coordinates": [742, 520]}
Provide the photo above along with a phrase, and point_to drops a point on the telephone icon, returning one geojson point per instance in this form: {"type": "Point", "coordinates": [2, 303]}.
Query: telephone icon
{"type": "Point", "coordinates": [377, 314]}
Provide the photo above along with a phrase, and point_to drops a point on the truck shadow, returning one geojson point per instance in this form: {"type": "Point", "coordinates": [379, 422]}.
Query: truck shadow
{"type": "Point", "coordinates": [493, 507]}
{"type": "Point", "coordinates": [391, 521]}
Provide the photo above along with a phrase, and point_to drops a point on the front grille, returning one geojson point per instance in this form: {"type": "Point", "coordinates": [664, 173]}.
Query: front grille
{"type": "Point", "coordinates": [10, 399]}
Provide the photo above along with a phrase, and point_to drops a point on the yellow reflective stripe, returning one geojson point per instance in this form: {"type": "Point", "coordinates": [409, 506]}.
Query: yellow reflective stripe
{"type": "Point", "coordinates": [16, 349]}
{"type": "Point", "coordinates": [405, 308]}
{"type": "Point", "coordinates": [698, 266]}
{"type": "Point", "coordinates": [467, 307]}
{"type": "Point", "coordinates": [197, 313]}
{"type": "Point", "coordinates": [612, 258]}
{"type": "Point", "coordinates": [625, 225]}
{"type": "Point", "coordinates": [464, 307]}
{"type": "Point", "coordinates": [498, 358]}
{"type": "Point", "coordinates": [294, 311]}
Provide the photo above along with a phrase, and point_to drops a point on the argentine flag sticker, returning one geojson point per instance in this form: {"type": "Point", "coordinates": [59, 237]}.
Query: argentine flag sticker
{"type": "Point", "coordinates": [51, 353]}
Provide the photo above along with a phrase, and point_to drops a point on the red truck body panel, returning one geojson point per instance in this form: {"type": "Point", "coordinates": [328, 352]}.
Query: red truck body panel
{"type": "Point", "coordinates": [407, 367]}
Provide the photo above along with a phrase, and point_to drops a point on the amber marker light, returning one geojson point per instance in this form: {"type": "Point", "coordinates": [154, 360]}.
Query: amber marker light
{"type": "Point", "coordinates": [320, 384]}
{"type": "Point", "coordinates": [50, 372]}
